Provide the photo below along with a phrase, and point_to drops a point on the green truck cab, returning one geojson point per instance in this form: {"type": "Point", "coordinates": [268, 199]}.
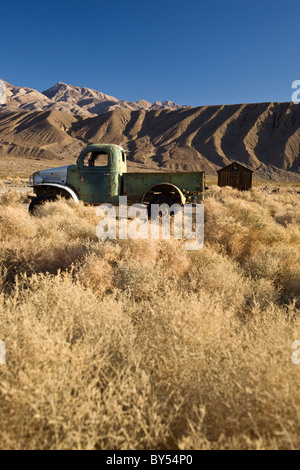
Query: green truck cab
{"type": "Point", "coordinates": [100, 175]}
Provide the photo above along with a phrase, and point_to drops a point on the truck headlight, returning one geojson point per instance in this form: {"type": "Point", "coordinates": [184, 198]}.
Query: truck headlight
{"type": "Point", "coordinates": [37, 179]}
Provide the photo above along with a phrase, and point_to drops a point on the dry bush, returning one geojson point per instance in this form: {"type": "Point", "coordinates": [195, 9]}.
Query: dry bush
{"type": "Point", "coordinates": [96, 270]}
{"type": "Point", "coordinates": [15, 222]}
{"type": "Point", "coordinates": [11, 197]}
{"type": "Point", "coordinates": [144, 345]}
{"type": "Point", "coordinates": [250, 233]}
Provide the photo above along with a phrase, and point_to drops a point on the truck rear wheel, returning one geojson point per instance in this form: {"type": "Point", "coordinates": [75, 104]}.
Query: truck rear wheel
{"type": "Point", "coordinates": [160, 199]}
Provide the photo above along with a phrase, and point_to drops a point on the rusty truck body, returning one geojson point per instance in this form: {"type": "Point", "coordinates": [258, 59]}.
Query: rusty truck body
{"type": "Point", "coordinates": [100, 175]}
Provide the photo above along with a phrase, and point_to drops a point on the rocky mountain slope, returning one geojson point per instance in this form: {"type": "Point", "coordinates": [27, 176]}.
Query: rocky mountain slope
{"type": "Point", "coordinates": [264, 136]}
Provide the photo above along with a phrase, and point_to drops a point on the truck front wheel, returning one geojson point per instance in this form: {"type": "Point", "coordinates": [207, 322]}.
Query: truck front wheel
{"type": "Point", "coordinates": [36, 202]}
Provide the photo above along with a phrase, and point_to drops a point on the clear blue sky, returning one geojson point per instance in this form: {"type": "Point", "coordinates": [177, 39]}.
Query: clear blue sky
{"type": "Point", "coordinates": [191, 52]}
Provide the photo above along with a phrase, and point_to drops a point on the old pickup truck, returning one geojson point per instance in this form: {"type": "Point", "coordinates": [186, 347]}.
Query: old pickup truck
{"type": "Point", "coordinates": [100, 175]}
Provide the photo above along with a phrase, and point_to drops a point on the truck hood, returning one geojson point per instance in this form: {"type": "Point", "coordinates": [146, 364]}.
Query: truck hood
{"type": "Point", "coordinates": [53, 175]}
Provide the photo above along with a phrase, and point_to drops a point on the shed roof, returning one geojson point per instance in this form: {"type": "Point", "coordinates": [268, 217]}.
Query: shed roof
{"type": "Point", "coordinates": [234, 163]}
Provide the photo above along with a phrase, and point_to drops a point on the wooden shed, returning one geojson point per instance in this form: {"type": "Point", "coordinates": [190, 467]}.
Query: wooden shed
{"type": "Point", "coordinates": [235, 175]}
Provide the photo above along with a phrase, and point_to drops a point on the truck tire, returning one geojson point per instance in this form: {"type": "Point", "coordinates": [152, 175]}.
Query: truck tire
{"type": "Point", "coordinates": [36, 202]}
{"type": "Point", "coordinates": [159, 199]}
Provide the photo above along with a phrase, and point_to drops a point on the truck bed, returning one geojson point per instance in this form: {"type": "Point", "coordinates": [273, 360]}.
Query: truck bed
{"type": "Point", "coordinates": [135, 184]}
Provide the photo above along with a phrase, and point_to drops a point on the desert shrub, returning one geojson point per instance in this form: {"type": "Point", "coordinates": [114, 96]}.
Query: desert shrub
{"type": "Point", "coordinates": [10, 197]}
{"type": "Point", "coordinates": [96, 271]}
{"type": "Point", "coordinates": [249, 233]}
{"type": "Point", "coordinates": [123, 344]}
{"type": "Point", "coordinates": [15, 223]}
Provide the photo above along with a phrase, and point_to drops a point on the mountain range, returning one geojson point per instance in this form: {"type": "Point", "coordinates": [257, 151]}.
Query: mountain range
{"type": "Point", "coordinates": [59, 122]}
{"type": "Point", "coordinates": [73, 100]}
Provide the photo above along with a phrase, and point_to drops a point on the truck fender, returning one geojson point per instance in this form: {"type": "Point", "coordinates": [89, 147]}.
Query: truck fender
{"type": "Point", "coordinates": [180, 193]}
{"type": "Point", "coordinates": [69, 190]}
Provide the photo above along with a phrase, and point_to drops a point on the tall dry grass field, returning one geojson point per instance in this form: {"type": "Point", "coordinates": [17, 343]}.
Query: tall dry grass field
{"type": "Point", "coordinates": [144, 345]}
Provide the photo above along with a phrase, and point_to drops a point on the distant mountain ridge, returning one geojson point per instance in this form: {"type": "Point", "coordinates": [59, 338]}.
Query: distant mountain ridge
{"type": "Point", "coordinates": [74, 100]}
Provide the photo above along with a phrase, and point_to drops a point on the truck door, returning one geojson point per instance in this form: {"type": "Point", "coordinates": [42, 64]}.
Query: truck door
{"type": "Point", "coordinates": [94, 177]}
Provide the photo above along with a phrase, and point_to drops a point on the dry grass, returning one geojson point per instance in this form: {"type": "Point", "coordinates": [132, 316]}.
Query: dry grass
{"type": "Point", "coordinates": [144, 345]}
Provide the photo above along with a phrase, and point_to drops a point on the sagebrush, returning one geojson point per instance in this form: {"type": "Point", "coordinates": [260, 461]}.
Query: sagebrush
{"type": "Point", "coordinates": [144, 345]}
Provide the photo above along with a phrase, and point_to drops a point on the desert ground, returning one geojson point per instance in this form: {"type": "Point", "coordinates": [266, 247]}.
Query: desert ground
{"type": "Point", "coordinates": [143, 344]}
